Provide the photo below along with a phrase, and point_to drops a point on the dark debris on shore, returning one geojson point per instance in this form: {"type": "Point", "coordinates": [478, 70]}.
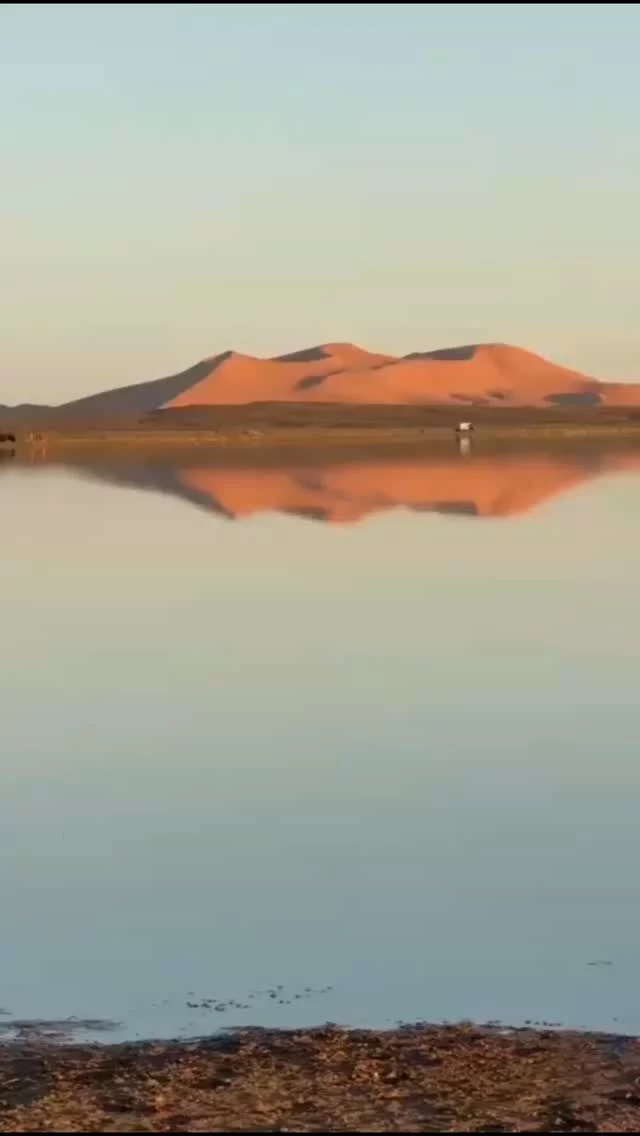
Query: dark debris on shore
{"type": "Point", "coordinates": [413, 1079]}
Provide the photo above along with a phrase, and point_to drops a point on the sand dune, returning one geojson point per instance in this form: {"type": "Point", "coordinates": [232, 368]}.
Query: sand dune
{"type": "Point", "coordinates": [342, 373]}
{"type": "Point", "coordinates": [476, 375]}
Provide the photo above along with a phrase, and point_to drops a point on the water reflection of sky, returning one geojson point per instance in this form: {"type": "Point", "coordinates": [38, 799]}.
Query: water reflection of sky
{"type": "Point", "coordinates": [398, 758]}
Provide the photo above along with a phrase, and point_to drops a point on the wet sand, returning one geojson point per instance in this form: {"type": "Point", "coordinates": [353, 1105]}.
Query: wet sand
{"type": "Point", "coordinates": [413, 1079]}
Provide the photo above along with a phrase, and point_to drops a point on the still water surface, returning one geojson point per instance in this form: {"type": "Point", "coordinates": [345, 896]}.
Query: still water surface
{"type": "Point", "coordinates": [388, 764]}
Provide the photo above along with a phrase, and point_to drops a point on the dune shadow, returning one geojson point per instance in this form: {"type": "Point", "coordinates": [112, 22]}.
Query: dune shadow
{"type": "Point", "coordinates": [447, 354]}
{"type": "Point", "coordinates": [151, 477]}
{"type": "Point", "coordinates": [307, 513]}
{"type": "Point", "coordinates": [310, 381]}
{"type": "Point", "coordinates": [455, 508]}
{"type": "Point", "coordinates": [575, 398]}
{"type": "Point", "coordinates": [308, 355]}
{"type": "Point", "coordinates": [142, 398]}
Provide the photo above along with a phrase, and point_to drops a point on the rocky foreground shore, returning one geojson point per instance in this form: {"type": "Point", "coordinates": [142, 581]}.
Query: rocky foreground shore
{"type": "Point", "coordinates": [415, 1079]}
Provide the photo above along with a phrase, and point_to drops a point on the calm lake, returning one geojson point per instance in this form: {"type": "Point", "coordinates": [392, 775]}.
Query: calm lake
{"type": "Point", "coordinates": [356, 743]}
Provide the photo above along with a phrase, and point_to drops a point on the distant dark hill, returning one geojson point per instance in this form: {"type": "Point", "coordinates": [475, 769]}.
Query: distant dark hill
{"type": "Point", "coordinates": [28, 416]}
{"type": "Point", "coordinates": [143, 397]}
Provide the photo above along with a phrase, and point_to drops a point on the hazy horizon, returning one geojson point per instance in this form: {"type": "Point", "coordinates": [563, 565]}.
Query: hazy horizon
{"type": "Point", "coordinates": [179, 180]}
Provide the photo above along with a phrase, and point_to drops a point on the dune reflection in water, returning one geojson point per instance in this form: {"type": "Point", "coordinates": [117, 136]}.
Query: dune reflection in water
{"type": "Point", "coordinates": [347, 491]}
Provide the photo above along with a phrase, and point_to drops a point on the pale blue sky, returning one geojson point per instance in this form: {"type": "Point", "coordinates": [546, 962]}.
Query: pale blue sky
{"type": "Point", "coordinates": [177, 180]}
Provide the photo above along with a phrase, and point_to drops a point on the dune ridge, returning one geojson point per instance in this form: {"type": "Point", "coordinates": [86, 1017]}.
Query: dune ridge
{"type": "Point", "coordinates": [474, 375]}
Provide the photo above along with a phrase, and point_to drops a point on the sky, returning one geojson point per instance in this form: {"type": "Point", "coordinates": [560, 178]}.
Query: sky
{"type": "Point", "coordinates": [178, 180]}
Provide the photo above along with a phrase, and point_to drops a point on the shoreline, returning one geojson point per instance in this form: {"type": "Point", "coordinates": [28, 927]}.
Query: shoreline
{"type": "Point", "coordinates": [419, 439]}
{"type": "Point", "coordinates": [285, 427]}
{"type": "Point", "coordinates": [414, 1078]}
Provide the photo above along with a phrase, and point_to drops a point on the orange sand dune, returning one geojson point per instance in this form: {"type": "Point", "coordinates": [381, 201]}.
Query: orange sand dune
{"type": "Point", "coordinates": [341, 373]}
{"type": "Point", "coordinates": [491, 374]}
{"type": "Point", "coordinates": [486, 487]}
{"type": "Point", "coordinates": [243, 378]}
